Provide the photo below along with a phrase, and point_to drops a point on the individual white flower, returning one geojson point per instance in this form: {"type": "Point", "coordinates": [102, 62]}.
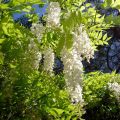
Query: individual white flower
{"type": "Point", "coordinates": [53, 17]}
{"type": "Point", "coordinates": [48, 59]}
{"type": "Point", "coordinates": [38, 30]}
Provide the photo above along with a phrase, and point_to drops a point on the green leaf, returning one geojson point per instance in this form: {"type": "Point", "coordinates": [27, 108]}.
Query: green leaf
{"type": "Point", "coordinates": [52, 112]}
{"type": "Point", "coordinates": [100, 35]}
{"type": "Point", "coordinates": [69, 41]}
{"type": "Point", "coordinates": [88, 4]}
{"type": "Point", "coordinates": [1, 40]}
{"type": "Point", "coordinates": [59, 111]}
{"type": "Point", "coordinates": [3, 6]}
{"type": "Point", "coordinates": [5, 30]}
{"type": "Point", "coordinates": [104, 37]}
{"type": "Point", "coordinates": [27, 9]}
{"type": "Point", "coordinates": [60, 46]}
{"type": "Point", "coordinates": [1, 58]}
{"type": "Point", "coordinates": [12, 66]}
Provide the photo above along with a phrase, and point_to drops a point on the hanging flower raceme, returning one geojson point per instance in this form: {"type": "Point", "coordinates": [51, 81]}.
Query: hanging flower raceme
{"type": "Point", "coordinates": [48, 59]}
{"type": "Point", "coordinates": [82, 44]}
{"type": "Point", "coordinates": [73, 70]}
{"type": "Point", "coordinates": [35, 55]}
{"type": "Point", "coordinates": [53, 20]}
{"type": "Point", "coordinates": [38, 30]}
{"type": "Point", "coordinates": [72, 60]}
{"type": "Point", "coordinates": [53, 17]}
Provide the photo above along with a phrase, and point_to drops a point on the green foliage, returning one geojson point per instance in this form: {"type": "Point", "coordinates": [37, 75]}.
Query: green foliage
{"type": "Point", "coordinates": [69, 4]}
{"type": "Point", "coordinates": [37, 96]}
{"type": "Point", "coordinates": [27, 94]}
{"type": "Point", "coordinates": [95, 86]}
{"type": "Point", "coordinates": [74, 13]}
{"type": "Point", "coordinates": [114, 4]}
{"type": "Point", "coordinates": [13, 5]}
{"type": "Point", "coordinates": [115, 20]}
{"type": "Point", "coordinates": [111, 3]}
{"type": "Point", "coordinates": [101, 104]}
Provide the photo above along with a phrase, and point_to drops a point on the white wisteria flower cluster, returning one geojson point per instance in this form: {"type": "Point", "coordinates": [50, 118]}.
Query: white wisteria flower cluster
{"type": "Point", "coordinates": [34, 54]}
{"type": "Point", "coordinates": [73, 70]}
{"type": "Point", "coordinates": [53, 17]}
{"type": "Point", "coordinates": [53, 20]}
{"type": "Point", "coordinates": [115, 88]}
{"type": "Point", "coordinates": [72, 60]}
{"type": "Point", "coordinates": [38, 30]}
{"type": "Point", "coordinates": [82, 43]}
{"type": "Point", "coordinates": [48, 59]}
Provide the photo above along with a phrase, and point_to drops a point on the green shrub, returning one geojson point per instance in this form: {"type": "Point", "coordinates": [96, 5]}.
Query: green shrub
{"type": "Point", "coordinates": [101, 104]}
{"type": "Point", "coordinates": [38, 96]}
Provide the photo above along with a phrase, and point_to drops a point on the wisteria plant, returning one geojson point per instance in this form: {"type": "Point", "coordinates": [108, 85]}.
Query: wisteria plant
{"type": "Point", "coordinates": [71, 31]}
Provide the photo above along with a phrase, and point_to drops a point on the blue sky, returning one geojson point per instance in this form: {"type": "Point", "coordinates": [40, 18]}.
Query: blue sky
{"type": "Point", "coordinates": [38, 10]}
